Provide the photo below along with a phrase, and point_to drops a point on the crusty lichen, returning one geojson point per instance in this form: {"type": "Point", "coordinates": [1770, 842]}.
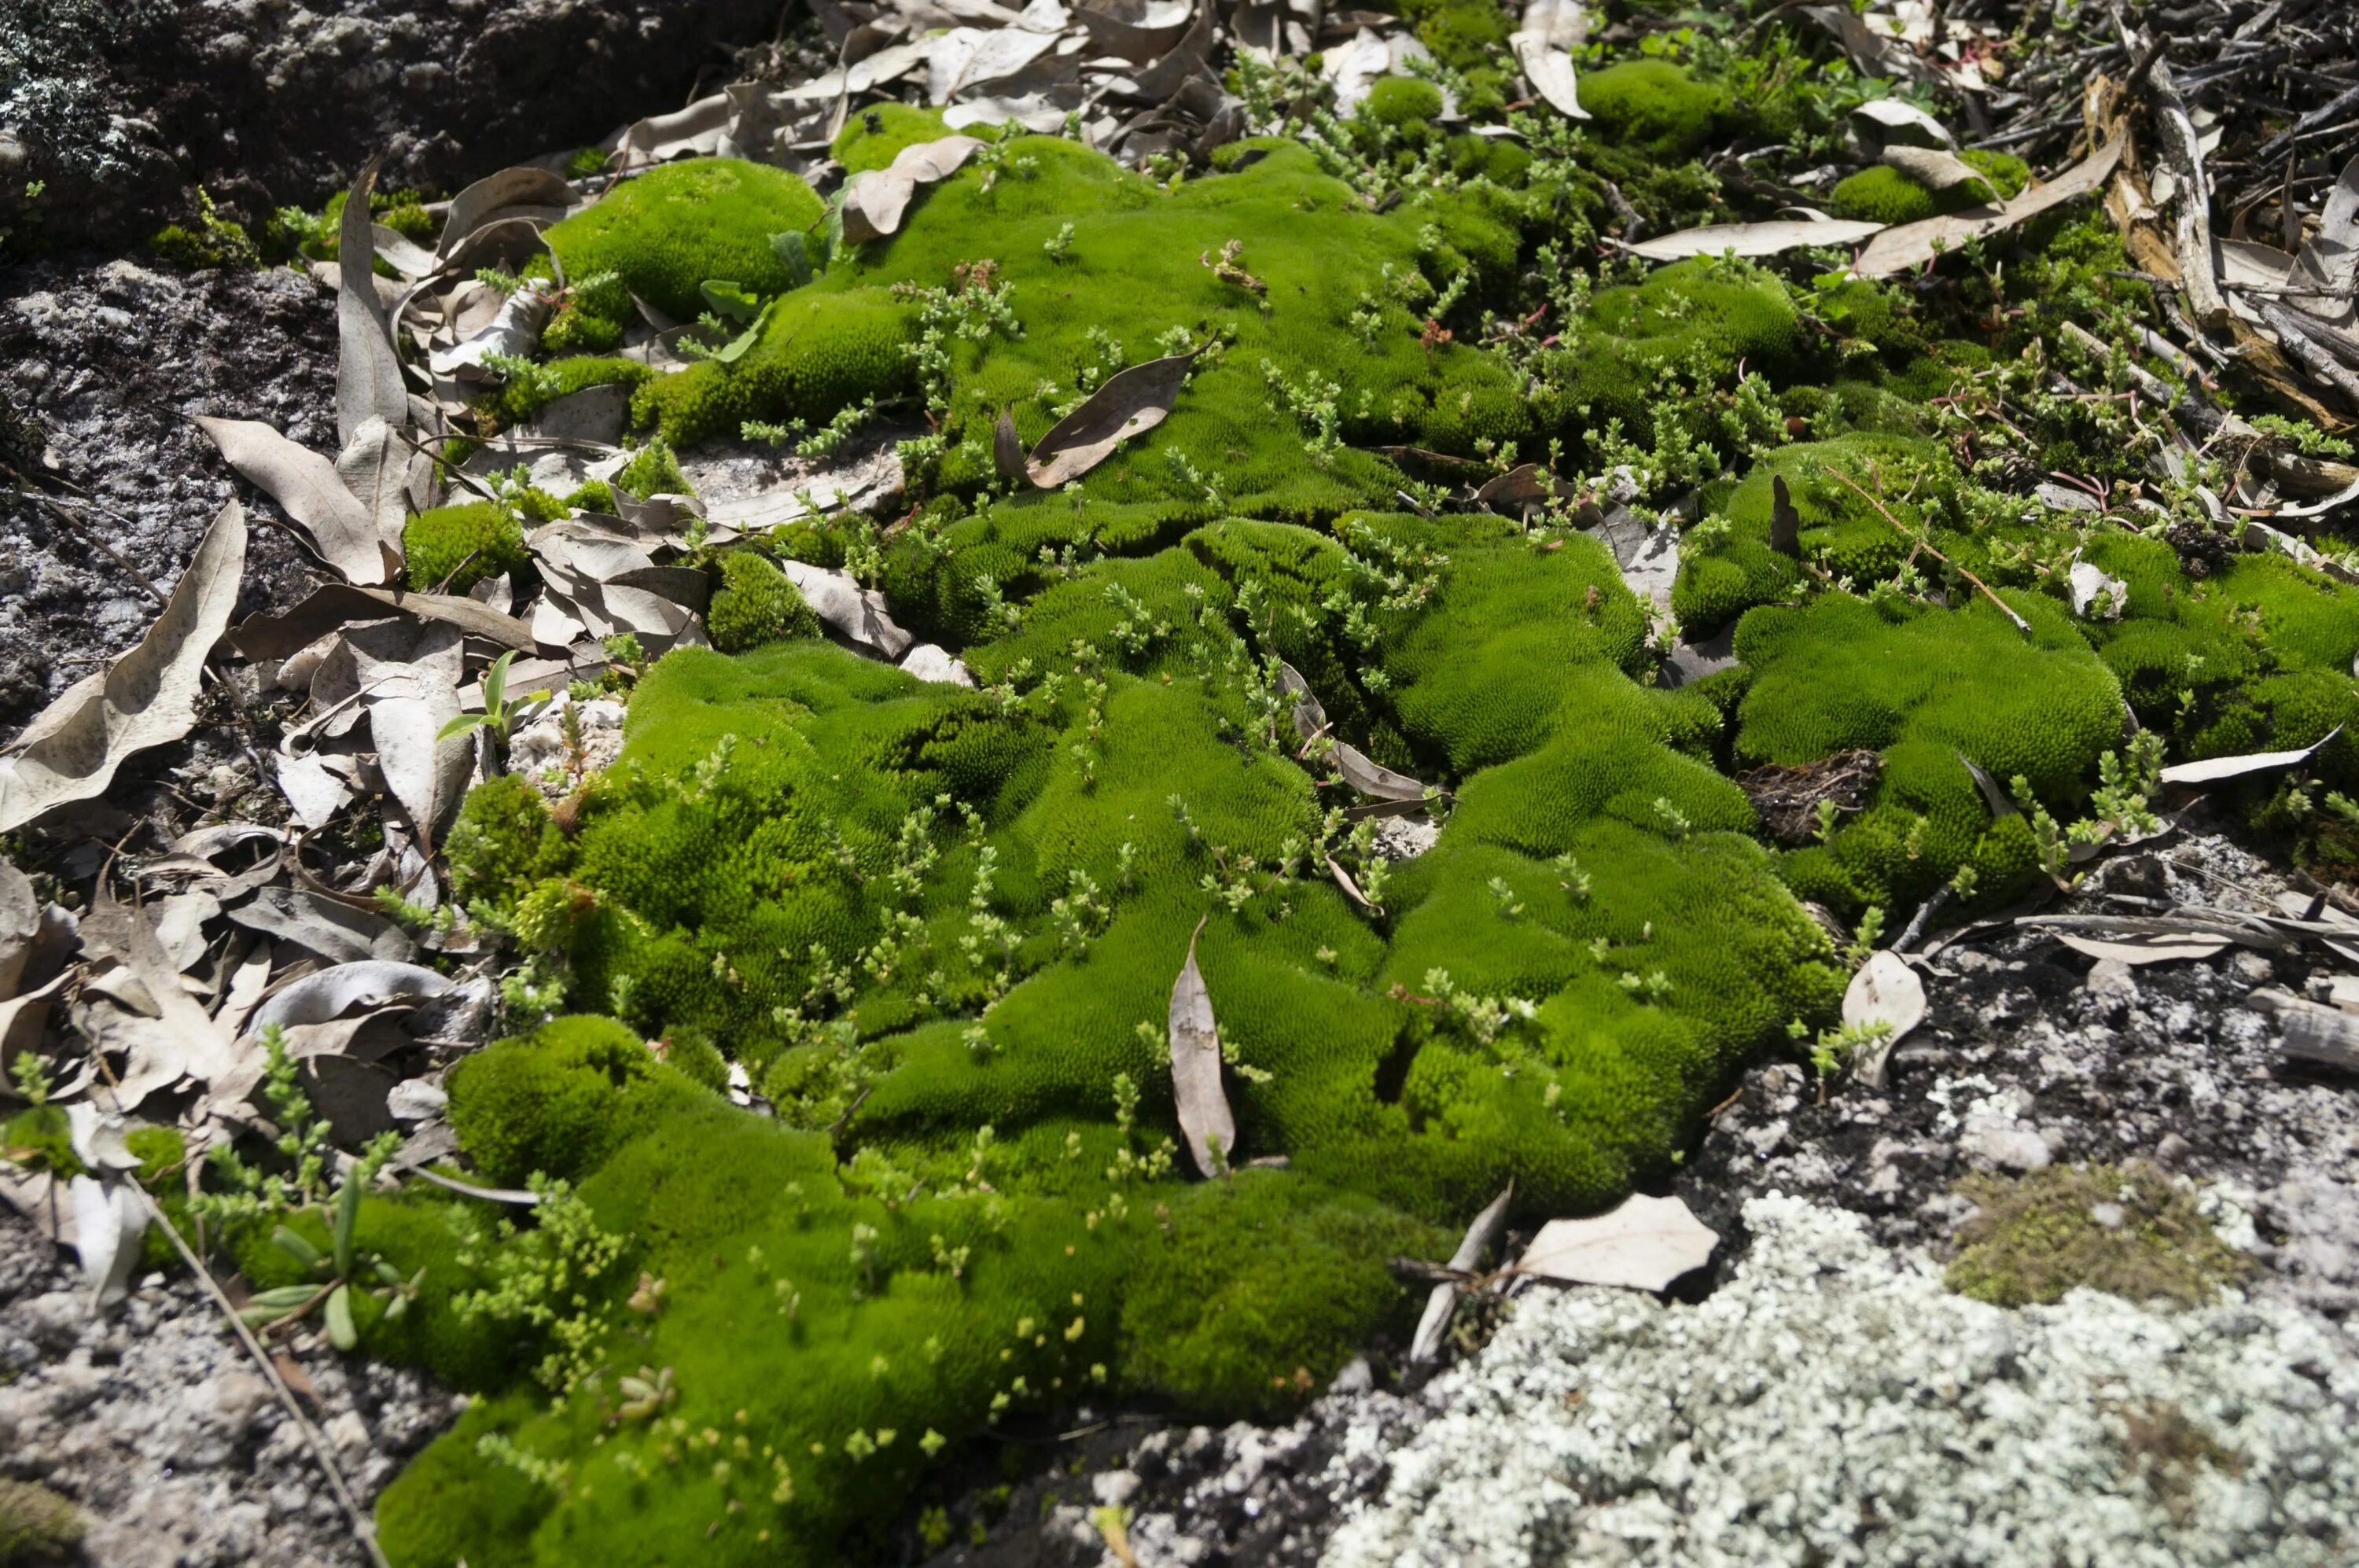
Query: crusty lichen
{"type": "Point", "coordinates": [2126, 1229]}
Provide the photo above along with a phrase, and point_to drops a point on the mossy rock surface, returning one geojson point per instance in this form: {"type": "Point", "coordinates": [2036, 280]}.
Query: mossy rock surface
{"type": "Point", "coordinates": [933, 930]}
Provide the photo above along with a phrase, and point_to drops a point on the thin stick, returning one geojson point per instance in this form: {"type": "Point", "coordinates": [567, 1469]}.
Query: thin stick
{"type": "Point", "coordinates": [55, 503]}
{"type": "Point", "coordinates": [363, 1527]}
{"type": "Point", "coordinates": [2003, 608]}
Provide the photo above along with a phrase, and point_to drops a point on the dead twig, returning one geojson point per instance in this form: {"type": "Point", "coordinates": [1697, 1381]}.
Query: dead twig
{"type": "Point", "coordinates": [2003, 608]}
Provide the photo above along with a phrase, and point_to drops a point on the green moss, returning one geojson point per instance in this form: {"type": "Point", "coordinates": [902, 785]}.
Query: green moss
{"type": "Point", "coordinates": [160, 1151]}
{"type": "Point", "coordinates": [1692, 322]}
{"type": "Point", "coordinates": [1925, 686]}
{"type": "Point", "coordinates": [1885, 195]}
{"type": "Point", "coordinates": [1257, 1292]}
{"type": "Point", "coordinates": [596, 495]}
{"type": "Point", "coordinates": [2128, 1230]}
{"type": "Point", "coordinates": [503, 842]}
{"type": "Point", "coordinates": [213, 241]}
{"type": "Point", "coordinates": [1400, 102]}
{"type": "Point", "coordinates": [42, 1138]}
{"type": "Point", "coordinates": [669, 231]}
{"type": "Point", "coordinates": [451, 548]}
{"type": "Point", "coordinates": [754, 603]}
{"type": "Point", "coordinates": [36, 1526]}
{"type": "Point", "coordinates": [654, 470]}
{"type": "Point", "coordinates": [936, 928]}
{"type": "Point", "coordinates": [560, 1100]}
{"type": "Point", "coordinates": [1652, 105]}
{"type": "Point", "coordinates": [875, 135]}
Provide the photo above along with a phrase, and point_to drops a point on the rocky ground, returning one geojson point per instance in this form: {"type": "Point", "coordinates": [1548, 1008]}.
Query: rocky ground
{"type": "Point", "coordinates": [155, 1420]}
{"type": "Point", "coordinates": [124, 108]}
{"type": "Point", "coordinates": [107, 362]}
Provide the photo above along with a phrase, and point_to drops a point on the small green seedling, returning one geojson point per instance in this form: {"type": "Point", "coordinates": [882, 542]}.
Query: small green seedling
{"type": "Point", "coordinates": [497, 719]}
{"type": "Point", "coordinates": [333, 1293]}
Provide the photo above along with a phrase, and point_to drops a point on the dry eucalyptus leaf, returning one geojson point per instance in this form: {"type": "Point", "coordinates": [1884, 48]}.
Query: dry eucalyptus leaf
{"type": "Point", "coordinates": [110, 1217]}
{"type": "Point", "coordinates": [2002, 805]}
{"type": "Point", "coordinates": [1310, 717]}
{"type": "Point", "coordinates": [2146, 947]}
{"type": "Point", "coordinates": [20, 923]}
{"type": "Point", "coordinates": [314, 792]}
{"type": "Point", "coordinates": [874, 199]}
{"type": "Point", "coordinates": [2249, 264]}
{"type": "Point", "coordinates": [336, 933]}
{"type": "Point", "coordinates": [514, 330]}
{"type": "Point", "coordinates": [1526, 485]}
{"type": "Point", "coordinates": [1205, 1115]}
{"type": "Point", "coordinates": [2220, 770]}
{"type": "Point", "coordinates": [400, 252]}
{"type": "Point", "coordinates": [374, 466]}
{"type": "Point", "coordinates": [260, 637]}
{"type": "Point", "coordinates": [23, 1016]}
{"type": "Point", "coordinates": [855, 612]}
{"type": "Point", "coordinates": [1886, 991]}
{"type": "Point", "coordinates": [1643, 1243]}
{"type": "Point", "coordinates": [192, 856]}
{"type": "Point", "coordinates": [333, 993]}
{"type": "Point", "coordinates": [1886, 122]}
{"type": "Point", "coordinates": [594, 415]}
{"type": "Point", "coordinates": [1007, 447]}
{"type": "Point", "coordinates": [1564, 23]}
{"type": "Point", "coordinates": [350, 1095]}
{"type": "Point", "coordinates": [2088, 580]}
{"type": "Point", "coordinates": [1133, 402]}
{"type": "Point", "coordinates": [1935, 169]}
{"type": "Point", "coordinates": [695, 129]}
{"type": "Point", "coordinates": [1549, 70]}
{"type": "Point", "coordinates": [1148, 33]}
{"type": "Point", "coordinates": [409, 679]}
{"type": "Point", "coordinates": [1373, 780]}
{"type": "Point", "coordinates": [125, 932]}
{"type": "Point", "coordinates": [1754, 239]}
{"type": "Point", "coordinates": [148, 697]}
{"type": "Point", "coordinates": [486, 198]}
{"type": "Point", "coordinates": [368, 369]}
{"type": "Point", "coordinates": [1442, 1305]}
{"type": "Point", "coordinates": [1343, 880]}
{"type": "Point", "coordinates": [243, 992]}
{"type": "Point", "coordinates": [1875, 53]}
{"type": "Point", "coordinates": [341, 531]}
{"type": "Point", "coordinates": [1913, 245]}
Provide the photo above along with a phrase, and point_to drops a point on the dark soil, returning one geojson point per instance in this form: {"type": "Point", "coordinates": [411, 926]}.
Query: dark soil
{"type": "Point", "coordinates": [125, 107]}
{"type": "Point", "coordinates": [108, 362]}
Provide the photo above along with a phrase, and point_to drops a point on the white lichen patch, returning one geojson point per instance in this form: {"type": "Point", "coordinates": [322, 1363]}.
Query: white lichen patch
{"type": "Point", "coordinates": [1833, 1403]}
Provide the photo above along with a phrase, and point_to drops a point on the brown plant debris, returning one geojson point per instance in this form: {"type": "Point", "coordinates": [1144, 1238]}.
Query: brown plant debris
{"type": "Point", "coordinates": [1787, 798]}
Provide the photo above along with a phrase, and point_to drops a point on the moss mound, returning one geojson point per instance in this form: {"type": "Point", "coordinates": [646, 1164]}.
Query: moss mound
{"type": "Point", "coordinates": [668, 232]}
{"type": "Point", "coordinates": [1653, 106]}
{"type": "Point", "coordinates": [451, 548]}
{"type": "Point", "coordinates": [754, 603]}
